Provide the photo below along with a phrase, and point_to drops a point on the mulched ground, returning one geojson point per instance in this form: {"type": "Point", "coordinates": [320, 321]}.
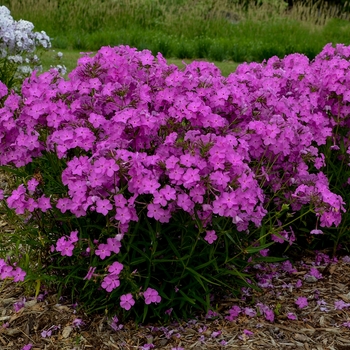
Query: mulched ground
{"type": "Point", "coordinates": [318, 326]}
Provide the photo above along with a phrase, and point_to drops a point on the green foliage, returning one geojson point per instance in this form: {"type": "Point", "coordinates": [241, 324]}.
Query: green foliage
{"type": "Point", "coordinates": [172, 258]}
{"type": "Point", "coordinates": [216, 29]}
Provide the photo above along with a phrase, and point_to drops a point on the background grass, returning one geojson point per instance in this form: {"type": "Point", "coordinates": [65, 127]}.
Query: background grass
{"type": "Point", "coordinates": [216, 30]}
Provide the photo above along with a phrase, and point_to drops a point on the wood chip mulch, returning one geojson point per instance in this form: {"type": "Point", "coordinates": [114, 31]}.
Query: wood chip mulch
{"type": "Point", "coordinates": [319, 326]}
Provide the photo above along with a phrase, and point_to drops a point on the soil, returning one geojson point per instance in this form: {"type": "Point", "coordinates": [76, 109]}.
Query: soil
{"type": "Point", "coordinates": [320, 325]}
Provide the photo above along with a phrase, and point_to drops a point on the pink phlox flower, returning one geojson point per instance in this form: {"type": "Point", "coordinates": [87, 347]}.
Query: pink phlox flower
{"type": "Point", "coordinates": [264, 252]}
{"type": "Point", "coordinates": [19, 305]}
{"type": "Point", "coordinates": [234, 312]}
{"type": "Point", "coordinates": [96, 120]}
{"type": "Point", "coordinates": [269, 315]}
{"type": "Point", "coordinates": [316, 232]}
{"type": "Point", "coordinates": [74, 236]}
{"type": "Point", "coordinates": [90, 273]}
{"type": "Point", "coordinates": [184, 202]}
{"type": "Point", "coordinates": [127, 301]}
{"type": "Point", "coordinates": [119, 237]}
{"type": "Point", "coordinates": [116, 268]}
{"type": "Point", "coordinates": [63, 204]}
{"type": "Point", "coordinates": [190, 177]}
{"type": "Point", "coordinates": [123, 214]}
{"type": "Point", "coordinates": [18, 274]}
{"type": "Point", "coordinates": [114, 324]}
{"type": "Point", "coordinates": [44, 203]}
{"type": "Point", "coordinates": [103, 206]}
{"type": "Point", "coordinates": [288, 267]}
{"type": "Point", "coordinates": [113, 245]}
{"type": "Point", "coordinates": [202, 329]}
{"type": "Point", "coordinates": [340, 304]}
{"type": "Point", "coordinates": [147, 186]}
{"type": "Point", "coordinates": [298, 284]}
{"type": "Point", "coordinates": [247, 332]}
{"type": "Point", "coordinates": [172, 161]}
{"type": "Point", "coordinates": [250, 312]}
{"type": "Point", "coordinates": [158, 198]}
{"type": "Point", "coordinates": [291, 316]}
{"type": "Point", "coordinates": [168, 192]}
{"type": "Point", "coordinates": [302, 302]}
{"type": "Point", "coordinates": [210, 236]}
{"type": "Point", "coordinates": [151, 296]}
{"type": "Point", "coordinates": [215, 334]}
{"type": "Point", "coordinates": [27, 347]}
{"type": "Point", "coordinates": [110, 282]}
{"type": "Point", "coordinates": [154, 211]}
{"type": "Point", "coordinates": [32, 184]}
{"type": "Point", "coordinates": [266, 311]}
{"type": "Point", "coordinates": [176, 173]}
{"type": "Point", "coordinates": [78, 322]}
{"type": "Point", "coordinates": [346, 324]}
{"type": "Point", "coordinates": [120, 201]}
{"type": "Point", "coordinates": [321, 303]}
{"type": "Point", "coordinates": [146, 58]}
{"type": "Point", "coordinates": [16, 195]}
{"type": "Point", "coordinates": [31, 204]}
{"type": "Point", "coordinates": [46, 334]}
{"type": "Point", "coordinates": [103, 251]}
{"type": "Point", "coordinates": [282, 237]}
{"type": "Point", "coordinates": [315, 273]}
{"type": "Point", "coordinates": [211, 314]}
{"type": "Point", "coordinates": [169, 311]}
{"type": "Point", "coordinates": [65, 246]}
{"type": "Point", "coordinates": [346, 259]}
{"type": "Point", "coordinates": [3, 90]}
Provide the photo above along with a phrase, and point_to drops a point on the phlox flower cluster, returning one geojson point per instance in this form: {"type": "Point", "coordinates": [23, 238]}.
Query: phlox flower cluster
{"type": "Point", "coordinates": [26, 199]}
{"type": "Point", "coordinates": [8, 271]}
{"type": "Point", "coordinates": [18, 36]}
{"type": "Point", "coordinates": [19, 43]}
{"type": "Point", "coordinates": [139, 135]}
{"type": "Point", "coordinates": [65, 245]}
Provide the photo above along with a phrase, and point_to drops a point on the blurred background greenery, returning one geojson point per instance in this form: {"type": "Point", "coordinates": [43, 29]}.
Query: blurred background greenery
{"type": "Point", "coordinates": [215, 30]}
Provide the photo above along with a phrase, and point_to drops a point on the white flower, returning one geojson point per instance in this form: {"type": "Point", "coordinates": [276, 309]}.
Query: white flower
{"type": "Point", "coordinates": [15, 59]}
{"type": "Point", "coordinates": [25, 69]}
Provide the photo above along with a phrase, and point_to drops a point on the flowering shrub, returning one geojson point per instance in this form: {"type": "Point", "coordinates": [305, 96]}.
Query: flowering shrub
{"type": "Point", "coordinates": [157, 184]}
{"type": "Point", "coordinates": [18, 47]}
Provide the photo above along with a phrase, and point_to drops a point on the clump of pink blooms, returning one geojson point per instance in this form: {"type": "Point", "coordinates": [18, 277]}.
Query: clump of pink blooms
{"type": "Point", "coordinates": [191, 141]}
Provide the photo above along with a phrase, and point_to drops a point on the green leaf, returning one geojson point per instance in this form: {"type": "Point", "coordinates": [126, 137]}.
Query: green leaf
{"type": "Point", "coordinates": [199, 277]}
{"type": "Point", "coordinates": [252, 250]}
{"type": "Point", "coordinates": [269, 259]}
{"type": "Point", "coordinates": [263, 235]}
{"type": "Point", "coordinates": [37, 287]}
{"type": "Point", "coordinates": [210, 262]}
{"type": "Point", "coordinates": [186, 298]}
{"type": "Point", "coordinates": [17, 172]}
{"type": "Point", "coordinates": [230, 237]}
{"type": "Point", "coordinates": [172, 246]}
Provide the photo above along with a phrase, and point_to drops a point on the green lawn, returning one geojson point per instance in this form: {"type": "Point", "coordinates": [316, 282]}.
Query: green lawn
{"type": "Point", "coordinates": [217, 30]}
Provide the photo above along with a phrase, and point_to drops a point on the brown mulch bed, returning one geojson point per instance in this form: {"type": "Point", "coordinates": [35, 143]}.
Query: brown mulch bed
{"type": "Point", "coordinates": [314, 329]}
